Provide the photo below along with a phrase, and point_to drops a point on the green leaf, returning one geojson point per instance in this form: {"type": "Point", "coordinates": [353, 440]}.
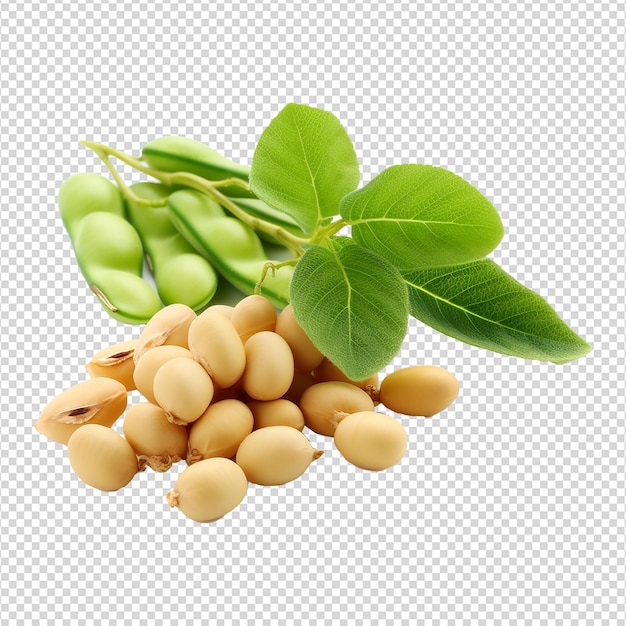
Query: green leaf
{"type": "Point", "coordinates": [352, 303]}
{"type": "Point", "coordinates": [303, 164]}
{"type": "Point", "coordinates": [422, 216]}
{"type": "Point", "coordinates": [480, 304]}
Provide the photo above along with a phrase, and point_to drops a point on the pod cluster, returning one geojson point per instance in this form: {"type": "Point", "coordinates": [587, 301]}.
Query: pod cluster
{"type": "Point", "coordinates": [230, 391]}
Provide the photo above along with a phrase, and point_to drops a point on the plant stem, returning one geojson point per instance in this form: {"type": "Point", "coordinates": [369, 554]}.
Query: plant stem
{"type": "Point", "coordinates": [292, 242]}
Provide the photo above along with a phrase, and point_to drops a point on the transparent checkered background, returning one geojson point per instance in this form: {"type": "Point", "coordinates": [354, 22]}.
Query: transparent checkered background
{"type": "Point", "coordinates": [507, 508]}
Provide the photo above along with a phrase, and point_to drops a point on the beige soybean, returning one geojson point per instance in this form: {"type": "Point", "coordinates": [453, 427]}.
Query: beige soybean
{"type": "Point", "coordinates": [215, 343]}
{"type": "Point", "coordinates": [209, 489]}
{"type": "Point", "coordinates": [219, 430]}
{"type": "Point", "coordinates": [306, 356]}
{"type": "Point", "coordinates": [115, 362]}
{"type": "Point", "coordinates": [327, 371]}
{"type": "Point", "coordinates": [275, 455]}
{"type": "Point", "coordinates": [419, 390]}
{"type": "Point", "coordinates": [252, 315]}
{"type": "Point", "coordinates": [301, 382]}
{"type": "Point", "coordinates": [169, 326]}
{"type": "Point", "coordinates": [324, 405]}
{"type": "Point", "coordinates": [269, 366]}
{"type": "Point", "coordinates": [183, 389]}
{"type": "Point", "coordinates": [153, 437]}
{"type": "Point", "coordinates": [95, 401]}
{"type": "Point", "coordinates": [279, 412]}
{"type": "Point", "coordinates": [223, 309]}
{"type": "Point", "coordinates": [371, 441]}
{"type": "Point", "coordinates": [101, 457]}
{"type": "Point", "coordinates": [150, 363]}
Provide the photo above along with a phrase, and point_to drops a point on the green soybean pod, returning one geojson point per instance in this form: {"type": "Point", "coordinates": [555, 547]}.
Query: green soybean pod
{"type": "Point", "coordinates": [183, 154]}
{"type": "Point", "coordinates": [107, 248]}
{"type": "Point", "coordinates": [231, 246]}
{"type": "Point", "coordinates": [181, 274]}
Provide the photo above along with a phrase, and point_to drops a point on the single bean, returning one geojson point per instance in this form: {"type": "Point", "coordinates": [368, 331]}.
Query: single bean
{"type": "Point", "coordinates": [102, 458]}
{"type": "Point", "coordinates": [153, 437]}
{"type": "Point", "coordinates": [279, 412]}
{"type": "Point", "coordinates": [183, 389]}
{"type": "Point", "coordinates": [169, 326]}
{"type": "Point", "coordinates": [209, 489]}
{"type": "Point", "coordinates": [419, 390]}
{"type": "Point", "coordinates": [94, 401]}
{"type": "Point", "coordinates": [216, 345]}
{"type": "Point", "coordinates": [180, 273]}
{"type": "Point", "coordinates": [253, 314]}
{"type": "Point", "coordinates": [269, 366]}
{"type": "Point", "coordinates": [371, 441]}
{"type": "Point", "coordinates": [107, 248]}
{"type": "Point", "coordinates": [183, 154]}
{"type": "Point", "coordinates": [325, 405]}
{"type": "Point", "coordinates": [306, 356]}
{"type": "Point", "coordinates": [150, 363]}
{"type": "Point", "coordinates": [219, 430]}
{"type": "Point", "coordinates": [115, 362]}
{"type": "Point", "coordinates": [275, 455]}
{"type": "Point", "coordinates": [231, 246]}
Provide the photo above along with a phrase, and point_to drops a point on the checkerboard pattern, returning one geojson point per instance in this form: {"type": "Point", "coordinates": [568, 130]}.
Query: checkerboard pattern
{"type": "Point", "coordinates": [508, 507]}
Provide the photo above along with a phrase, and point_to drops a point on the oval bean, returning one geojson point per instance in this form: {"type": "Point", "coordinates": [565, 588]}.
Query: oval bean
{"type": "Point", "coordinates": [215, 344]}
{"type": "Point", "coordinates": [275, 455]}
{"type": "Point", "coordinates": [107, 248]}
{"type": "Point", "coordinates": [325, 405]}
{"type": "Point", "coordinates": [94, 401]}
{"type": "Point", "coordinates": [102, 458]}
{"type": "Point", "coordinates": [209, 489]}
{"type": "Point", "coordinates": [183, 389]}
{"type": "Point", "coordinates": [269, 369]}
{"type": "Point", "coordinates": [371, 441]}
{"type": "Point", "coordinates": [231, 246]}
{"type": "Point", "coordinates": [180, 273]}
{"type": "Point", "coordinates": [150, 363]}
{"type": "Point", "coordinates": [253, 314]}
{"type": "Point", "coordinates": [306, 356]}
{"type": "Point", "coordinates": [219, 430]}
{"type": "Point", "coordinates": [279, 412]}
{"type": "Point", "coordinates": [153, 437]}
{"type": "Point", "coordinates": [115, 362]}
{"type": "Point", "coordinates": [169, 326]}
{"type": "Point", "coordinates": [419, 390]}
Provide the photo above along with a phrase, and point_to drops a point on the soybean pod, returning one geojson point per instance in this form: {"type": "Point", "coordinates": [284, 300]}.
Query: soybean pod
{"type": "Point", "coordinates": [183, 154]}
{"type": "Point", "coordinates": [181, 274]}
{"type": "Point", "coordinates": [107, 248]}
{"type": "Point", "coordinates": [233, 248]}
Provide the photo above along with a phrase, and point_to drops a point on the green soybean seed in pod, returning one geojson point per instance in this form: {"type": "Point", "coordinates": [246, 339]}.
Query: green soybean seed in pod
{"type": "Point", "coordinates": [219, 430]}
{"type": "Point", "coordinates": [155, 440]}
{"type": "Point", "coordinates": [419, 390]}
{"type": "Point", "coordinates": [115, 362]}
{"type": "Point", "coordinates": [216, 345]}
{"type": "Point", "coordinates": [209, 489]}
{"type": "Point", "coordinates": [306, 356]}
{"type": "Point", "coordinates": [94, 401]}
{"type": "Point", "coordinates": [370, 440]}
{"type": "Point", "coordinates": [324, 405]}
{"type": "Point", "coordinates": [183, 389]}
{"type": "Point", "coordinates": [253, 314]}
{"type": "Point", "coordinates": [101, 457]}
{"type": "Point", "coordinates": [269, 367]}
{"type": "Point", "coordinates": [275, 455]}
{"type": "Point", "coordinates": [170, 326]}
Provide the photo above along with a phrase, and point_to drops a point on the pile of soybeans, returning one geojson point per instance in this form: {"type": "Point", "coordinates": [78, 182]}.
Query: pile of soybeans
{"type": "Point", "coordinates": [230, 391]}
